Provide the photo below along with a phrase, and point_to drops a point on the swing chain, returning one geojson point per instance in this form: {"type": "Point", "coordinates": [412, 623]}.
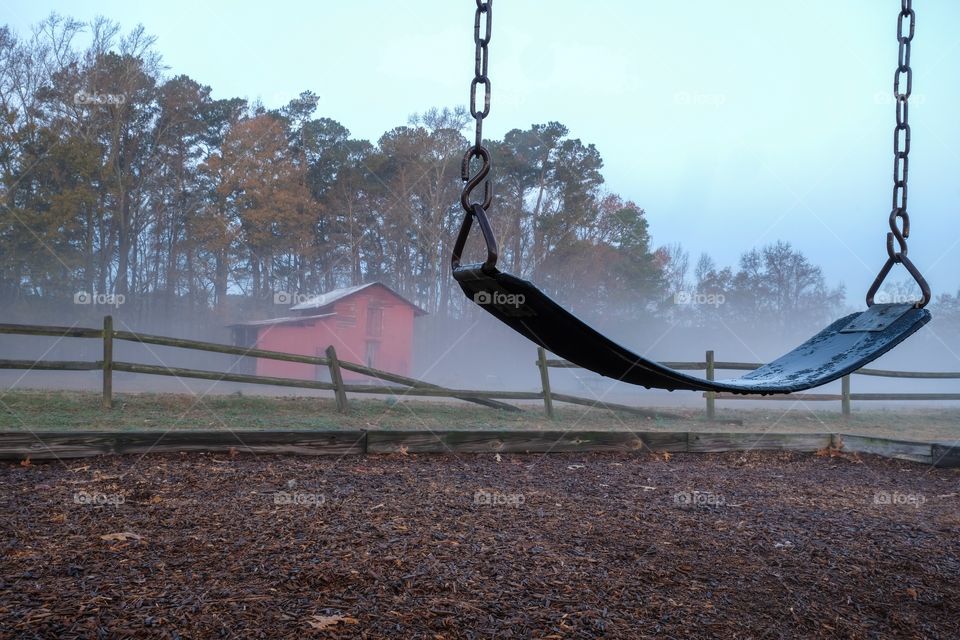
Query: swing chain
{"type": "Point", "coordinates": [902, 88]}
{"type": "Point", "coordinates": [482, 29]}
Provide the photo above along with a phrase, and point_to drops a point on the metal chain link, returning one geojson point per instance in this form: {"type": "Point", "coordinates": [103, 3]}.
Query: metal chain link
{"type": "Point", "coordinates": [899, 218]}
{"type": "Point", "coordinates": [480, 66]}
{"type": "Point", "coordinates": [902, 88]}
{"type": "Point", "coordinates": [482, 30]}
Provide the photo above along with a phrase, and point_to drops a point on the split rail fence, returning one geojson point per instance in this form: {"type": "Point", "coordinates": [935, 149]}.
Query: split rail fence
{"type": "Point", "coordinates": [710, 366]}
{"type": "Point", "coordinates": [401, 385]}
{"type": "Point", "coordinates": [405, 386]}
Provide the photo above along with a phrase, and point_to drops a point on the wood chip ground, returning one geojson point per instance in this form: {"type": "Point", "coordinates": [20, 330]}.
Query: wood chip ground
{"type": "Point", "coordinates": [756, 545]}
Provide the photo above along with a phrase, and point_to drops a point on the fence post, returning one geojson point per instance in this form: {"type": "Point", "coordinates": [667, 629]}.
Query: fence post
{"type": "Point", "coordinates": [711, 396]}
{"type": "Point", "coordinates": [107, 362]}
{"type": "Point", "coordinates": [545, 381]}
{"type": "Point", "coordinates": [845, 396]}
{"type": "Point", "coordinates": [337, 379]}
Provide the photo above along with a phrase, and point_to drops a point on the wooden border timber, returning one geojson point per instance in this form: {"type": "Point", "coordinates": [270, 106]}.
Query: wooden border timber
{"type": "Point", "coordinates": [528, 441]}
{"type": "Point", "coordinates": [53, 445]}
{"type": "Point", "coordinates": [887, 447]}
{"type": "Point", "coordinates": [945, 454]}
{"type": "Point", "coordinates": [716, 442]}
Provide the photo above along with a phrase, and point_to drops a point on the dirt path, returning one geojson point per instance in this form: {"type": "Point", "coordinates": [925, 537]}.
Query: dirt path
{"type": "Point", "coordinates": [562, 546]}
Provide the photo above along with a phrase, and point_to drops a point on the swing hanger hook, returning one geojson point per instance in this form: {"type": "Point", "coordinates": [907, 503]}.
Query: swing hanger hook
{"type": "Point", "coordinates": [474, 182]}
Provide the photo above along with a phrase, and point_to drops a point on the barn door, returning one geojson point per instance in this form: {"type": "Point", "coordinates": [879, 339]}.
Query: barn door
{"type": "Point", "coordinates": [372, 350]}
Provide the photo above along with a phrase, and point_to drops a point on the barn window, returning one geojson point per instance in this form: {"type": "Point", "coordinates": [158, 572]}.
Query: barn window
{"type": "Point", "coordinates": [346, 315]}
{"type": "Point", "coordinates": [375, 322]}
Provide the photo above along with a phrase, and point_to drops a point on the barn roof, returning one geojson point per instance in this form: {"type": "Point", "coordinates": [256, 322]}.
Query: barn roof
{"type": "Point", "coordinates": [326, 299]}
{"type": "Point", "coordinates": [285, 320]}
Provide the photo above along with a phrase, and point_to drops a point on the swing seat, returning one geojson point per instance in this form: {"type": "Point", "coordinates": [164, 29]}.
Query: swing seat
{"type": "Point", "coordinates": [843, 347]}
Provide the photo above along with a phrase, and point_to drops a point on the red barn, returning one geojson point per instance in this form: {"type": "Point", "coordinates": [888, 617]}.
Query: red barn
{"type": "Point", "coordinates": [370, 324]}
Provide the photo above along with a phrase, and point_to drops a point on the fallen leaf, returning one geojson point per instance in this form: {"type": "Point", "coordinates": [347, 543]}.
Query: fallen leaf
{"type": "Point", "coordinates": [325, 622]}
{"type": "Point", "coordinates": [834, 452]}
{"type": "Point", "coordinates": [913, 593]}
{"type": "Point", "coordinates": [26, 463]}
{"type": "Point", "coordinates": [121, 536]}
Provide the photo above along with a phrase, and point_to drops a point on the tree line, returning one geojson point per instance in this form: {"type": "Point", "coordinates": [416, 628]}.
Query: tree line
{"type": "Point", "coordinates": [117, 178]}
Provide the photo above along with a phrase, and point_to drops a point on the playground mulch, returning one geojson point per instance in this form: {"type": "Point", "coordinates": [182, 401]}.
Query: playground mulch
{"type": "Point", "coordinates": [735, 545]}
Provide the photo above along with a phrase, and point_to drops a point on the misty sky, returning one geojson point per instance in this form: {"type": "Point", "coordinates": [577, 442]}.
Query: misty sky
{"type": "Point", "coordinates": [732, 123]}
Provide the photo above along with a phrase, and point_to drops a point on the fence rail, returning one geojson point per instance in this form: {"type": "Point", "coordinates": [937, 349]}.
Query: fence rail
{"type": "Point", "coordinates": [709, 365]}
{"type": "Point", "coordinates": [401, 385]}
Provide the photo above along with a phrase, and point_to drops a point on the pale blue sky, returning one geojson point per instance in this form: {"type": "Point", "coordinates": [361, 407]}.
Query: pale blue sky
{"type": "Point", "coordinates": [733, 123]}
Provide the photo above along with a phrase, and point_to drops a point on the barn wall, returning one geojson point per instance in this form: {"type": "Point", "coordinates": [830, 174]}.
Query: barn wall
{"type": "Point", "coordinates": [290, 339]}
{"type": "Point", "coordinates": [347, 331]}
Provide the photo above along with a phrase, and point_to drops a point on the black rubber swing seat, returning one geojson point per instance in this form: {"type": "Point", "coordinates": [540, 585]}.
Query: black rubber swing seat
{"type": "Point", "coordinates": [842, 348]}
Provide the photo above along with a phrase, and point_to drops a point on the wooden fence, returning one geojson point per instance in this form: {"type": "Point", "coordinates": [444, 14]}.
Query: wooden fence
{"type": "Point", "coordinates": [710, 366]}
{"type": "Point", "coordinates": [405, 386]}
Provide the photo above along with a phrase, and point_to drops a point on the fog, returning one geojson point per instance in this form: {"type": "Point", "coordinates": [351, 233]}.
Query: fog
{"type": "Point", "coordinates": [475, 352]}
{"type": "Point", "coordinates": [718, 184]}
